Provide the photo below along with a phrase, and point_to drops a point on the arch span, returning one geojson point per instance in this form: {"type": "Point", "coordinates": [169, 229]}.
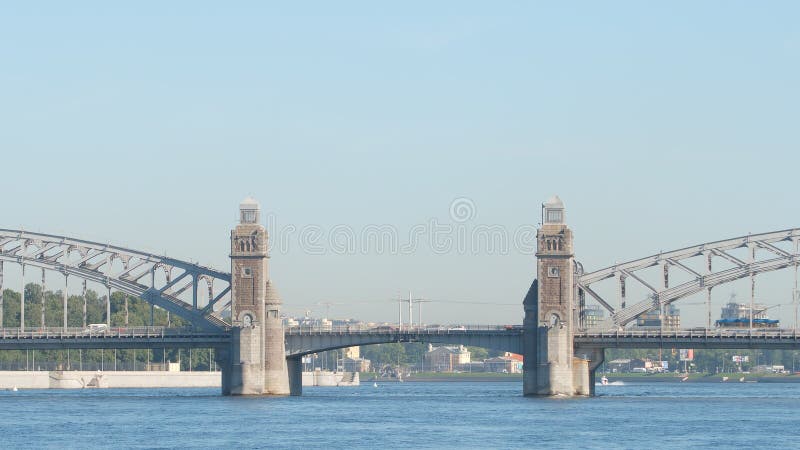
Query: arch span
{"type": "Point", "coordinates": [777, 258]}
{"type": "Point", "coordinates": [301, 342]}
{"type": "Point", "coordinates": [135, 275]}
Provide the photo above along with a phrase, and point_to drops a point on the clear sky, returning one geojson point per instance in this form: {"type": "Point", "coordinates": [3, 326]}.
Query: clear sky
{"type": "Point", "coordinates": [659, 125]}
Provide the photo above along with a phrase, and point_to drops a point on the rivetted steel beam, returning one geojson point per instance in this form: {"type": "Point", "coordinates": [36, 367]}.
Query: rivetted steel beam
{"type": "Point", "coordinates": [43, 250]}
{"type": "Point", "coordinates": [645, 283]}
{"type": "Point", "coordinates": [677, 263]}
{"type": "Point", "coordinates": [730, 258]}
{"type": "Point", "coordinates": [771, 248]}
{"type": "Point", "coordinates": [95, 264]}
{"type": "Point", "coordinates": [172, 283]}
{"type": "Point", "coordinates": [688, 252]}
{"type": "Point", "coordinates": [674, 293]}
{"type": "Point", "coordinates": [132, 268]}
{"type": "Point", "coordinates": [88, 256]}
{"type": "Point", "coordinates": [599, 299]}
{"type": "Point", "coordinates": [210, 307]}
{"type": "Point", "coordinates": [182, 289]}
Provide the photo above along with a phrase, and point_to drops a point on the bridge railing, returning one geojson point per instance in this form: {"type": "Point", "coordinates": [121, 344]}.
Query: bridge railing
{"type": "Point", "coordinates": [89, 332]}
{"type": "Point", "coordinates": [683, 334]}
{"type": "Point", "coordinates": [434, 329]}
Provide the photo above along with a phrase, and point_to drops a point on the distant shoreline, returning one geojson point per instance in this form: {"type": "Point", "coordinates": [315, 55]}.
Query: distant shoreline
{"type": "Point", "coordinates": [702, 378]}
{"type": "Point", "coordinates": [367, 377]}
{"type": "Point", "coordinates": [445, 378]}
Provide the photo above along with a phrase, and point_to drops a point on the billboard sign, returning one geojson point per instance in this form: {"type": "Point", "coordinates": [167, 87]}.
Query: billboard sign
{"type": "Point", "coordinates": [686, 354]}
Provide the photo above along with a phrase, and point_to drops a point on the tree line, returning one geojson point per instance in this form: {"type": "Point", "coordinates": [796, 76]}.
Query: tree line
{"type": "Point", "coordinates": [139, 314]}
{"type": "Point", "coordinates": [713, 360]}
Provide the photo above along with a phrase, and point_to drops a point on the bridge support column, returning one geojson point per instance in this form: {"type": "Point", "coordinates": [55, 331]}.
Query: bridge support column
{"type": "Point", "coordinates": [258, 350]}
{"type": "Point", "coordinates": [246, 362]}
{"type": "Point", "coordinates": [594, 358]}
{"type": "Point", "coordinates": [222, 355]}
{"type": "Point", "coordinates": [550, 367]}
{"type": "Point", "coordinates": [295, 367]}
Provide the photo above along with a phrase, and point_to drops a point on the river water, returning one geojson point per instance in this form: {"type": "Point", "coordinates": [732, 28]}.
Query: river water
{"type": "Point", "coordinates": [418, 415]}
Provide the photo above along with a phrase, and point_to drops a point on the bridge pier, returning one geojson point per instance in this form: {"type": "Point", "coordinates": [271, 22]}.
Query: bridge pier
{"type": "Point", "coordinates": [222, 355]}
{"type": "Point", "coordinates": [594, 358]}
{"type": "Point", "coordinates": [550, 366]}
{"type": "Point", "coordinates": [257, 363]}
{"type": "Point", "coordinates": [295, 366]}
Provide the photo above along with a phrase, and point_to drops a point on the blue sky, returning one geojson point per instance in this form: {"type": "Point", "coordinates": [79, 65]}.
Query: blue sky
{"type": "Point", "coordinates": [660, 126]}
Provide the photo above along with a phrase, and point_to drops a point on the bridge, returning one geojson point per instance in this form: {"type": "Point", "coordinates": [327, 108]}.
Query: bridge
{"type": "Point", "coordinates": [302, 341]}
{"type": "Point", "coordinates": [237, 313]}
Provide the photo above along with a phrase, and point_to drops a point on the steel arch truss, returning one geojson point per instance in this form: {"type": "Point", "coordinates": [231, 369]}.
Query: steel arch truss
{"type": "Point", "coordinates": [129, 271]}
{"type": "Point", "coordinates": [663, 295]}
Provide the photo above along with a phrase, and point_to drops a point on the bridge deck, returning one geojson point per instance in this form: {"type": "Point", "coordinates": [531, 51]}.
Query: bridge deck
{"type": "Point", "coordinates": [697, 339]}
{"type": "Point", "coordinates": [300, 341]}
{"type": "Point", "coordinates": [303, 340]}
{"type": "Point", "coordinates": [119, 338]}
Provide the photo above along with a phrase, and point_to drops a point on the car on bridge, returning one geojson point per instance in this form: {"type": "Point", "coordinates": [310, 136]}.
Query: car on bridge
{"type": "Point", "coordinates": [96, 328]}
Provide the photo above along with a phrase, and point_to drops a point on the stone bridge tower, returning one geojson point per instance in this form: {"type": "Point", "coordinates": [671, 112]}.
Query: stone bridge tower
{"type": "Point", "coordinates": [550, 365]}
{"type": "Point", "coordinates": [257, 361]}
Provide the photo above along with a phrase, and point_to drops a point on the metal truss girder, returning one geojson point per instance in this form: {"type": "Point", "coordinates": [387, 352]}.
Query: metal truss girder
{"type": "Point", "coordinates": [195, 316]}
{"type": "Point", "coordinates": [182, 289]}
{"type": "Point", "coordinates": [688, 252]}
{"type": "Point", "coordinates": [45, 248]}
{"type": "Point", "coordinates": [98, 264]}
{"type": "Point", "coordinates": [597, 297]}
{"type": "Point", "coordinates": [87, 267]}
{"type": "Point", "coordinates": [14, 250]}
{"type": "Point", "coordinates": [125, 274]}
{"type": "Point", "coordinates": [666, 296]}
{"type": "Point", "coordinates": [677, 263]}
{"type": "Point", "coordinates": [210, 306]}
{"type": "Point", "coordinates": [633, 275]}
{"type": "Point", "coordinates": [87, 257]}
{"type": "Point", "coordinates": [172, 283]}
{"type": "Point", "coordinates": [729, 257]}
{"type": "Point", "coordinates": [771, 248]}
{"type": "Point", "coordinates": [675, 293]}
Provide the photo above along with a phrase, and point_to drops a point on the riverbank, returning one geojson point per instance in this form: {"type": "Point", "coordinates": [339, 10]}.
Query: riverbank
{"type": "Point", "coordinates": [57, 379]}
{"type": "Point", "coordinates": [73, 379]}
{"type": "Point", "coordinates": [445, 377]}
{"type": "Point", "coordinates": [702, 378]}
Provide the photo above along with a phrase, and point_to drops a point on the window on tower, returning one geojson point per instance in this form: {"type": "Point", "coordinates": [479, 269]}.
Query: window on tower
{"type": "Point", "coordinates": [249, 216]}
{"type": "Point", "coordinates": [554, 216]}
